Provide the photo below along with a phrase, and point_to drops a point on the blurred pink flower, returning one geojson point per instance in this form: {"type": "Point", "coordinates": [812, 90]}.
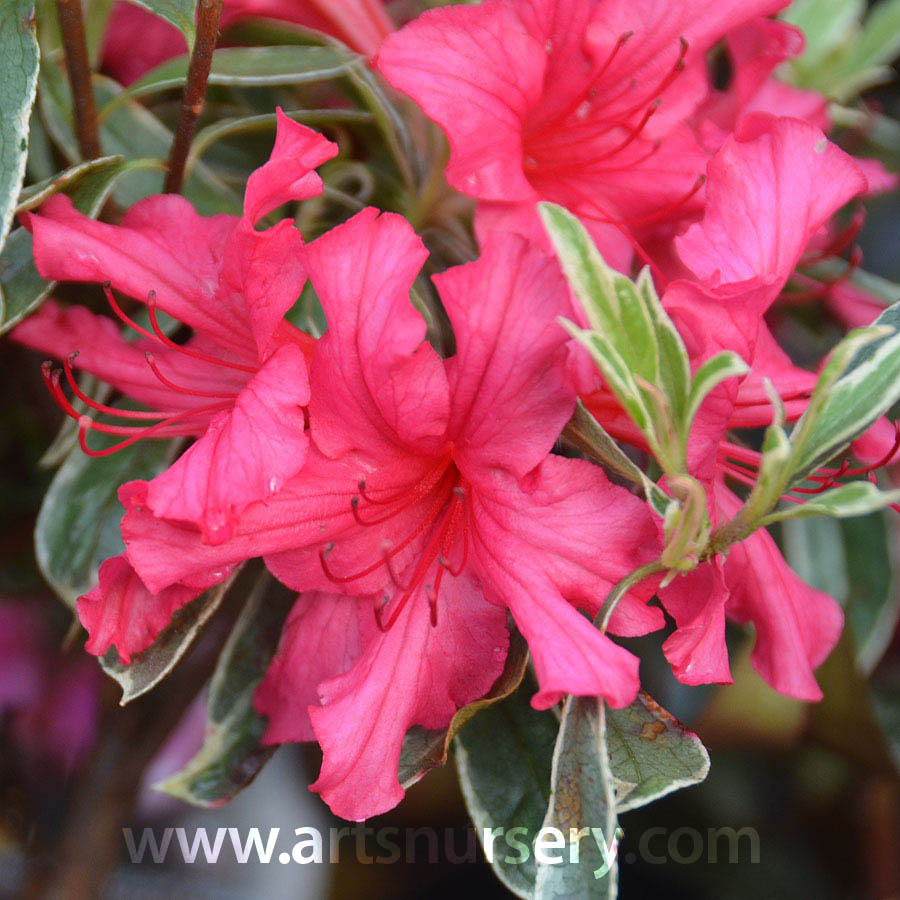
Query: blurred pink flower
{"type": "Point", "coordinates": [51, 702]}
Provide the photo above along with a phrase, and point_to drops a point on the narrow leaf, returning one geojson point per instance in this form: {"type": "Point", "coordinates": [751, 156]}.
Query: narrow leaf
{"type": "Point", "coordinates": [709, 376]}
{"type": "Point", "coordinates": [583, 808]}
{"type": "Point", "coordinates": [245, 67]}
{"type": "Point", "coordinates": [858, 498]}
{"type": "Point", "coordinates": [180, 13]}
{"type": "Point", "coordinates": [859, 382]}
{"type": "Point", "coordinates": [149, 668]}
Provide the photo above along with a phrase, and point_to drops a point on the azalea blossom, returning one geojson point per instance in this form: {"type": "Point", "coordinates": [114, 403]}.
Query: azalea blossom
{"type": "Point", "coordinates": [430, 496]}
{"type": "Point", "coordinates": [772, 186]}
{"type": "Point", "coordinates": [136, 41]}
{"type": "Point", "coordinates": [582, 102]}
{"type": "Point", "coordinates": [238, 385]}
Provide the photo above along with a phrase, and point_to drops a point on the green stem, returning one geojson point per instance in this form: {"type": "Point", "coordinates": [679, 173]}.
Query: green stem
{"type": "Point", "coordinates": [622, 588]}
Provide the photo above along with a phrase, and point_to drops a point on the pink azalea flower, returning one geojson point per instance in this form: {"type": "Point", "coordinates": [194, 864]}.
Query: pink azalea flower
{"type": "Point", "coordinates": [238, 385]}
{"type": "Point", "coordinates": [771, 188]}
{"type": "Point", "coordinates": [581, 102]}
{"type": "Point", "coordinates": [431, 498]}
{"type": "Point", "coordinates": [137, 41]}
{"type": "Point", "coordinates": [755, 50]}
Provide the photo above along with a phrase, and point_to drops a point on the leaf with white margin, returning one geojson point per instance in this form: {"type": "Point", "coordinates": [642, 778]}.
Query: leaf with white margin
{"type": "Point", "coordinates": [651, 753]}
{"type": "Point", "coordinates": [583, 807]}
{"type": "Point", "coordinates": [859, 382]}
{"type": "Point", "coordinates": [232, 755]}
{"type": "Point", "coordinates": [858, 498]}
{"type": "Point", "coordinates": [19, 61]}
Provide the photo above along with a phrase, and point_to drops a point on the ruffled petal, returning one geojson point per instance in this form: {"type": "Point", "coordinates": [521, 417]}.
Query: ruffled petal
{"type": "Point", "coordinates": [289, 173]}
{"type": "Point", "coordinates": [796, 625]}
{"type": "Point", "coordinates": [121, 612]}
{"type": "Point", "coordinates": [476, 71]}
{"type": "Point", "coordinates": [162, 245]}
{"type": "Point", "coordinates": [558, 542]}
{"type": "Point", "coordinates": [376, 383]}
{"type": "Point", "coordinates": [414, 674]}
{"type": "Point", "coordinates": [246, 454]}
{"type": "Point", "coordinates": [696, 649]}
{"type": "Point", "coordinates": [322, 638]}
{"type": "Point", "coordinates": [770, 189]}
{"type": "Point", "coordinates": [510, 394]}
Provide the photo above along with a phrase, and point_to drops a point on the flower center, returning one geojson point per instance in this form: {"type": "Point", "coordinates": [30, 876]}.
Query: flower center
{"type": "Point", "coordinates": [443, 530]}
{"type": "Point", "coordinates": [593, 136]}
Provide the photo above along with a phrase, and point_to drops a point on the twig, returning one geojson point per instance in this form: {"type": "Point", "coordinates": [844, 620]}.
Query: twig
{"type": "Point", "coordinates": [78, 68]}
{"type": "Point", "coordinates": [194, 95]}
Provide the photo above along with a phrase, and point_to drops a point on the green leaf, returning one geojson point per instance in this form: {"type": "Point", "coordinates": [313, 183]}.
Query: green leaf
{"type": "Point", "coordinates": [631, 338]}
{"type": "Point", "coordinates": [96, 17]}
{"type": "Point", "coordinates": [131, 131]}
{"type": "Point", "coordinates": [424, 749]}
{"type": "Point", "coordinates": [582, 807]}
{"type": "Point", "coordinates": [709, 376]}
{"type": "Point", "coordinates": [19, 60]}
{"type": "Point", "coordinates": [78, 523]}
{"type": "Point", "coordinates": [855, 560]}
{"type": "Point", "coordinates": [844, 55]}
{"type": "Point", "coordinates": [89, 185]}
{"type": "Point", "coordinates": [64, 182]}
{"type": "Point", "coordinates": [245, 67]}
{"type": "Point", "coordinates": [231, 754]}
{"type": "Point", "coordinates": [149, 668]}
{"type": "Point", "coordinates": [858, 498]}
{"type": "Point", "coordinates": [651, 753]}
{"type": "Point", "coordinates": [859, 382]}
{"type": "Point", "coordinates": [504, 757]}
{"type": "Point", "coordinates": [180, 13]}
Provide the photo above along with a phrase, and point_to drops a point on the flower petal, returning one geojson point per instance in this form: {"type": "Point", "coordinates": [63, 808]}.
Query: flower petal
{"type": "Point", "coordinates": [322, 638]}
{"type": "Point", "coordinates": [246, 454]}
{"type": "Point", "coordinates": [696, 650]}
{"type": "Point", "coordinates": [289, 173]}
{"type": "Point", "coordinates": [162, 245]}
{"type": "Point", "coordinates": [560, 541]}
{"type": "Point", "coordinates": [770, 188]}
{"type": "Point", "coordinates": [414, 674]}
{"type": "Point", "coordinates": [796, 625]}
{"type": "Point", "coordinates": [121, 611]}
{"type": "Point", "coordinates": [476, 71]}
{"type": "Point", "coordinates": [375, 382]}
{"type": "Point", "coordinates": [103, 351]}
{"type": "Point", "coordinates": [510, 394]}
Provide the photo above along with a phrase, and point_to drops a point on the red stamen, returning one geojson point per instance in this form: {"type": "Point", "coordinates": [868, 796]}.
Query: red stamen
{"type": "Point", "coordinates": [163, 338]}
{"type": "Point", "coordinates": [101, 407]}
{"type": "Point", "coordinates": [151, 361]}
